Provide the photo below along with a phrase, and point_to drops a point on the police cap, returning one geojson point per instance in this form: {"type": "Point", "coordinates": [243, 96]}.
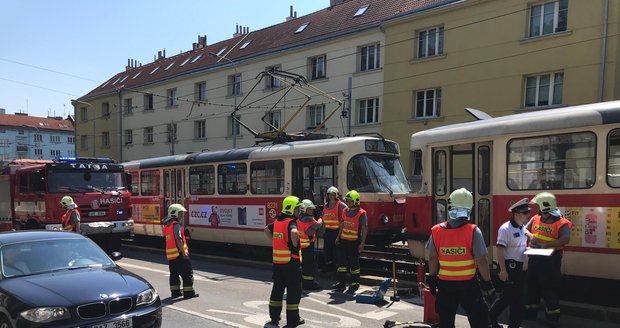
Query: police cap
{"type": "Point", "coordinates": [520, 206]}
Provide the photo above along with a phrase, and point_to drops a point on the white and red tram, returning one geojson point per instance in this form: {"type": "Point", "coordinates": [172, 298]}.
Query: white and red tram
{"type": "Point", "coordinates": [573, 152]}
{"type": "Point", "coordinates": [232, 194]}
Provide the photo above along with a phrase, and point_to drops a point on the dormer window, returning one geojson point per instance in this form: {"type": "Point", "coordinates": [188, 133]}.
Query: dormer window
{"type": "Point", "coordinates": [125, 78]}
{"type": "Point", "coordinates": [155, 70]}
{"type": "Point", "coordinates": [302, 28]}
{"type": "Point", "coordinates": [219, 53]}
{"type": "Point", "coordinates": [106, 83]}
{"type": "Point", "coordinates": [116, 81]}
{"type": "Point", "coordinates": [185, 61]}
{"type": "Point", "coordinates": [135, 76]}
{"type": "Point", "coordinates": [168, 67]}
{"type": "Point", "coordinates": [195, 59]}
{"type": "Point", "coordinates": [244, 45]}
{"type": "Point", "coordinates": [361, 11]}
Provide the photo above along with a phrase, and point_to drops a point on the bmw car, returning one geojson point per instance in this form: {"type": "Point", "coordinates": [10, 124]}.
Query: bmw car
{"type": "Point", "coordinates": [63, 279]}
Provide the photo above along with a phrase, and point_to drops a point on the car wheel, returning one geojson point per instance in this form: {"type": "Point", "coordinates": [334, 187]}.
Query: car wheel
{"type": "Point", "coordinates": [4, 322]}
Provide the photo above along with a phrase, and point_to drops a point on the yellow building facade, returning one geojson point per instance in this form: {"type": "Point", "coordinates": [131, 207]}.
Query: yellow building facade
{"type": "Point", "coordinates": [501, 57]}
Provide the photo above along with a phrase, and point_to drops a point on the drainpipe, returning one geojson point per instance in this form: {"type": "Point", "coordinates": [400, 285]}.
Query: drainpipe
{"type": "Point", "coordinates": [120, 125]}
{"type": "Point", "coordinates": [601, 75]}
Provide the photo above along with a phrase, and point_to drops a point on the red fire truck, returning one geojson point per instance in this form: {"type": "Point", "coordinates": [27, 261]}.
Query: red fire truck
{"type": "Point", "coordinates": [30, 193]}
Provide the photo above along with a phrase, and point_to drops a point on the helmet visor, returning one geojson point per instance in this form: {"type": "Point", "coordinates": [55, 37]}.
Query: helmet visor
{"type": "Point", "coordinates": [459, 213]}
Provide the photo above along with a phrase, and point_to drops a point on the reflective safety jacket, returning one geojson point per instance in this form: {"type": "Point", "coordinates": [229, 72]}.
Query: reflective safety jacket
{"type": "Point", "coordinates": [304, 239]}
{"type": "Point", "coordinates": [282, 252]}
{"type": "Point", "coordinates": [547, 232]}
{"type": "Point", "coordinates": [351, 225]}
{"type": "Point", "coordinates": [330, 216]}
{"type": "Point", "coordinates": [172, 252]}
{"type": "Point", "coordinates": [454, 249]}
{"type": "Point", "coordinates": [66, 220]}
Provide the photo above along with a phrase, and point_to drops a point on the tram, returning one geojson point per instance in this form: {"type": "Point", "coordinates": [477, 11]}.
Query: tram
{"type": "Point", "coordinates": [572, 152]}
{"type": "Point", "coordinates": [232, 194]}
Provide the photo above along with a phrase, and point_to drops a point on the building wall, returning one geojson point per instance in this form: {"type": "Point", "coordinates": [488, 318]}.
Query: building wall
{"type": "Point", "coordinates": [487, 55]}
{"type": "Point", "coordinates": [18, 142]}
{"type": "Point", "coordinates": [342, 63]}
{"type": "Point", "coordinates": [95, 124]}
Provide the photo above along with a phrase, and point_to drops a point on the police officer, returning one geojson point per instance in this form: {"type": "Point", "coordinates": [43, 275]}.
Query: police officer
{"type": "Point", "coordinates": [71, 219]}
{"type": "Point", "coordinates": [511, 244]}
{"type": "Point", "coordinates": [548, 229]}
{"type": "Point", "coordinates": [286, 263]}
{"type": "Point", "coordinates": [308, 226]}
{"type": "Point", "coordinates": [177, 254]}
{"type": "Point", "coordinates": [332, 218]}
{"type": "Point", "coordinates": [456, 248]}
{"type": "Point", "coordinates": [350, 242]}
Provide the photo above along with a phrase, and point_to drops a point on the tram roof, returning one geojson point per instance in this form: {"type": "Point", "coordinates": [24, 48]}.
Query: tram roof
{"type": "Point", "coordinates": [549, 119]}
{"type": "Point", "coordinates": [314, 148]}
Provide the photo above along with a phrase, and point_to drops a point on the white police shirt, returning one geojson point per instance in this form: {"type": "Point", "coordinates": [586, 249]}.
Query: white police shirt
{"type": "Point", "coordinates": [514, 241]}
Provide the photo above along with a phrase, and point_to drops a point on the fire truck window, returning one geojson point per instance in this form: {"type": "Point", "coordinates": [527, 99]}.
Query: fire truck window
{"type": "Point", "coordinates": [36, 182]}
{"type": "Point", "coordinates": [23, 183]}
{"type": "Point", "coordinates": [149, 183]}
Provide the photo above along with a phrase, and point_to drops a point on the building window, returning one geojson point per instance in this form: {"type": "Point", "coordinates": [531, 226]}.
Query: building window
{"type": "Point", "coordinates": [200, 91]}
{"type": "Point", "coordinates": [20, 132]}
{"type": "Point", "coordinates": [83, 114]}
{"type": "Point", "coordinates": [128, 137]}
{"type": "Point", "coordinates": [274, 119]}
{"type": "Point", "coordinates": [318, 67]}
{"type": "Point", "coordinates": [272, 82]}
{"type": "Point", "coordinates": [84, 142]}
{"type": "Point", "coordinates": [172, 97]}
{"type": "Point", "coordinates": [105, 139]}
{"type": "Point", "coordinates": [548, 18]}
{"type": "Point", "coordinates": [128, 106]}
{"type": "Point", "coordinates": [171, 130]}
{"type": "Point", "coordinates": [233, 126]}
{"type": "Point", "coordinates": [368, 111]}
{"type": "Point", "coordinates": [428, 103]}
{"type": "Point", "coordinates": [148, 101]}
{"type": "Point", "coordinates": [38, 152]}
{"type": "Point", "coordinates": [71, 140]}
{"type": "Point", "coordinates": [234, 84]}
{"type": "Point", "coordinates": [148, 135]}
{"type": "Point", "coordinates": [200, 129]}
{"type": "Point", "coordinates": [105, 110]}
{"type": "Point", "coordinates": [54, 152]}
{"type": "Point", "coordinates": [430, 42]}
{"type": "Point", "coordinates": [544, 90]}
{"type": "Point", "coordinates": [4, 143]}
{"type": "Point", "coordinates": [55, 139]}
{"type": "Point", "coordinates": [38, 138]}
{"type": "Point", "coordinates": [369, 57]}
{"type": "Point", "coordinates": [315, 115]}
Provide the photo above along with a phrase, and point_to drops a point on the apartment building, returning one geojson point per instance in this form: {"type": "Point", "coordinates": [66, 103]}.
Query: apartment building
{"type": "Point", "coordinates": [501, 57]}
{"type": "Point", "coordinates": [184, 103]}
{"type": "Point", "coordinates": [24, 136]}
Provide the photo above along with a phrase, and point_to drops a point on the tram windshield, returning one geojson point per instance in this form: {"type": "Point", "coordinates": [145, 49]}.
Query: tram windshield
{"type": "Point", "coordinates": [376, 173]}
{"type": "Point", "coordinates": [84, 181]}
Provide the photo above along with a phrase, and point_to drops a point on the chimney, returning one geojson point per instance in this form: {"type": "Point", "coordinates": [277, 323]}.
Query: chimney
{"type": "Point", "coordinates": [290, 15]}
{"type": "Point", "coordinates": [202, 42]}
{"type": "Point", "coordinates": [161, 54]}
{"type": "Point", "coordinates": [238, 32]}
{"type": "Point", "coordinates": [2, 111]}
{"type": "Point", "coordinates": [336, 2]}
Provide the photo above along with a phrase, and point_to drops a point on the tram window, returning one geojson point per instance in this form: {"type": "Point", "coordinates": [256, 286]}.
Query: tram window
{"type": "Point", "coordinates": [613, 158]}
{"type": "Point", "coordinates": [416, 170]}
{"type": "Point", "coordinates": [565, 161]}
{"type": "Point", "coordinates": [440, 211]}
{"type": "Point", "coordinates": [484, 170]}
{"type": "Point", "coordinates": [134, 184]}
{"type": "Point", "coordinates": [267, 177]}
{"type": "Point", "coordinates": [376, 173]}
{"type": "Point", "coordinates": [202, 180]}
{"type": "Point", "coordinates": [149, 183]}
{"type": "Point", "coordinates": [440, 173]}
{"type": "Point", "coordinates": [484, 220]}
{"type": "Point", "coordinates": [232, 179]}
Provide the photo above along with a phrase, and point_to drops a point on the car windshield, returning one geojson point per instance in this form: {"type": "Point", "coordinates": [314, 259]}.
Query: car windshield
{"type": "Point", "coordinates": [376, 173]}
{"type": "Point", "coordinates": [81, 181]}
{"type": "Point", "coordinates": [42, 256]}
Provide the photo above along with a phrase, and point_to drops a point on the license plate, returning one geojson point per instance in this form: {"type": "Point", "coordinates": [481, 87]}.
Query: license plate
{"type": "Point", "coordinates": [97, 213]}
{"type": "Point", "coordinates": [124, 323]}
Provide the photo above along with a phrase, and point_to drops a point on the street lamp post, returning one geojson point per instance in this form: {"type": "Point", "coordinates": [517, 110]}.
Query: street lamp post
{"type": "Point", "coordinates": [235, 92]}
{"type": "Point", "coordinates": [73, 102]}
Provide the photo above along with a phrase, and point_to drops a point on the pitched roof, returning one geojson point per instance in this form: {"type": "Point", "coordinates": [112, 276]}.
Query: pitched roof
{"type": "Point", "coordinates": [324, 24]}
{"type": "Point", "coordinates": [39, 123]}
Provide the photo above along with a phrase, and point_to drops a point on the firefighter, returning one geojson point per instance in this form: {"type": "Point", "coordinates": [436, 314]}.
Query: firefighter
{"type": "Point", "coordinates": [350, 242]}
{"type": "Point", "coordinates": [548, 229]}
{"type": "Point", "coordinates": [511, 245]}
{"type": "Point", "coordinates": [71, 219]}
{"type": "Point", "coordinates": [286, 263]}
{"type": "Point", "coordinates": [177, 254]}
{"type": "Point", "coordinates": [308, 226]}
{"type": "Point", "coordinates": [456, 247]}
{"type": "Point", "coordinates": [332, 218]}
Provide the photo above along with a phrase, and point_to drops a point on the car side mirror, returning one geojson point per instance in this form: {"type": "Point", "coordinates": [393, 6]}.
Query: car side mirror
{"type": "Point", "coordinates": [115, 256]}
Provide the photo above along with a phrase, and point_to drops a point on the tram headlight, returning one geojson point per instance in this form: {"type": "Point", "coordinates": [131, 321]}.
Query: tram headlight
{"type": "Point", "coordinates": [385, 219]}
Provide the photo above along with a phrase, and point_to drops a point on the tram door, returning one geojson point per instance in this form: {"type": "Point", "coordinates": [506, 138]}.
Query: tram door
{"type": "Point", "coordinates": [312, 176]}
{"type": "Point", "coordinates": [174, 188]}
{"type": "Point", "coordinates": [464, 166]}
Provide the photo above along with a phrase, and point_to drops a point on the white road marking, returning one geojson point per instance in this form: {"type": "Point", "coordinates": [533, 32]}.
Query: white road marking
{"type": "Point", "coordinates": [376, 315]}
{"type": "Point", "coordinates": [204, 316]}
{"type": "Point", "coordinates": [197, 277]}
{"type": "Point", "coordinates": [229, 312]}
{"type": "Point", "coordinates": [262, 317]}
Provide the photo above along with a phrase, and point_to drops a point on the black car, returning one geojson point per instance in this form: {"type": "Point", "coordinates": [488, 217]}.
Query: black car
{"type": "Point", "coordinates": [62, 279]}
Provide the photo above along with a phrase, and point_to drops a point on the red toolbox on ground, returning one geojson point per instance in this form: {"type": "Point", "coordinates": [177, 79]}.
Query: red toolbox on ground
{"type": "Point", "coordinates": [430, 315]}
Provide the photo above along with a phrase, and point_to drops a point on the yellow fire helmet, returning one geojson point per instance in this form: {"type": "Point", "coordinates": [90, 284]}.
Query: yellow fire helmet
{"type": "Point", "coordinates": [353, 196]}
{"type": "Point", "coordinates": [289, 203]}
